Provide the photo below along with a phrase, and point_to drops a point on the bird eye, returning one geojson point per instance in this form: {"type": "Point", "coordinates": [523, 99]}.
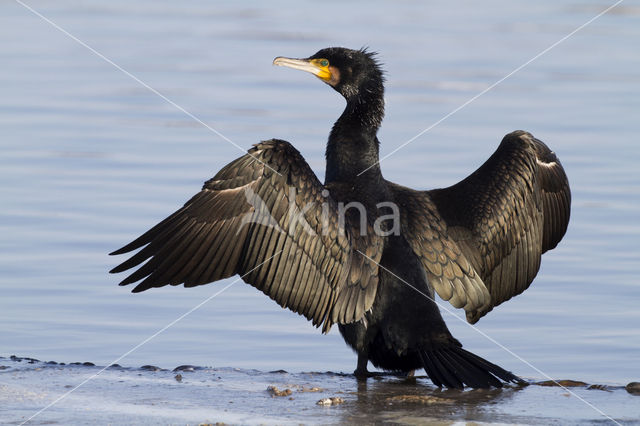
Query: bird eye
{"type": "Point", "coordinates": [324, 62]}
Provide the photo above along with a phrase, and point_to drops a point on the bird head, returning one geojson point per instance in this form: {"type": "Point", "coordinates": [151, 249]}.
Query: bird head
{"type": "Point", "coordinates": [350, 72]}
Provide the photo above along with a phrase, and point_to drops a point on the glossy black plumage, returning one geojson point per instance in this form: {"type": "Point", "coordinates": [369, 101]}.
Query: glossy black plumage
{"type": "Point", "coordinates": [477, 243]}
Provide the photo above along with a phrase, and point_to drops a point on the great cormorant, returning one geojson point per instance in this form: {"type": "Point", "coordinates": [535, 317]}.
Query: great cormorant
{"type": "Point", "coordinates": [358, 250]}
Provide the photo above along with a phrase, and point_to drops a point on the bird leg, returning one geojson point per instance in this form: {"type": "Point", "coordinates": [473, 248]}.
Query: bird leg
{"type": "Point", "coordinates": [361, 370]}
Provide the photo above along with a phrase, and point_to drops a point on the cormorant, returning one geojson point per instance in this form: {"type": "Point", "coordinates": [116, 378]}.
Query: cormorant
{"type": "Point", "coordinates": [358, 250]}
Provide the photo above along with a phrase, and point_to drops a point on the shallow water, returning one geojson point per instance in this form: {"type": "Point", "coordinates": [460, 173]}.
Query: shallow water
{"type": "Point", "coordinates": [196, 395]}
{"type": "Point", "coordinates": [90, 159]}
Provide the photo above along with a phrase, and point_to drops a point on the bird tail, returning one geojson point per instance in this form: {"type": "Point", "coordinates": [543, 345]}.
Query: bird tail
{"type": "Point", "coordinates": [455, 367]}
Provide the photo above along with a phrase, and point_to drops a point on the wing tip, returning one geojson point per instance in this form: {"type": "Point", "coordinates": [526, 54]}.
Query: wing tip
{"type": "Point", "coordinates": [116, 270]}
{"type": "Point", "coordinates": [121, 250]}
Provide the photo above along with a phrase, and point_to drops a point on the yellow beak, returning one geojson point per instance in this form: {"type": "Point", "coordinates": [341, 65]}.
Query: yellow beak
{"type": "Point", "coordinates": [309, 65]}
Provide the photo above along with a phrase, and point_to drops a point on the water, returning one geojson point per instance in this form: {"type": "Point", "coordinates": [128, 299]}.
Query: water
{"type": "Point", "coordinates": [90, 159]}
{"type": "Point", "coordinates": [240, 396]}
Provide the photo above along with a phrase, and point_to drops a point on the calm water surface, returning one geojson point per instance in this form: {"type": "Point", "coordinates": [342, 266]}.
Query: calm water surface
{"type": "Point", "coordinates": [89, 159]}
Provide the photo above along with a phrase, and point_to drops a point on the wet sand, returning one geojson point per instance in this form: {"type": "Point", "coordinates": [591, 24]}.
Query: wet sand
{"type": "Point", "coordinates": [199, 395]}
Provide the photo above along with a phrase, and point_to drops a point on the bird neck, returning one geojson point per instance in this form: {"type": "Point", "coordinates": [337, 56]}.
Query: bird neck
{"type": "Point", "coordinates": [353, 148]}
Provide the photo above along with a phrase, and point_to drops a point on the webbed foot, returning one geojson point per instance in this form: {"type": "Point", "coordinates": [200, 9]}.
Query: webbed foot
{"type": "Point", "coordinates": [363, 374]}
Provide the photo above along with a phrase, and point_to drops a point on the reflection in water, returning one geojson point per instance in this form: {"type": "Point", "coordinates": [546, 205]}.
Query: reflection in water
{"type": "Point", "coordinates": [415, 400]}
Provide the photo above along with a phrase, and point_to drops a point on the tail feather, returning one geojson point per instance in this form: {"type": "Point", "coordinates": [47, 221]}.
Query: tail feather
{"type": "Point", "coordinates": [446, 369]}
{"type": "Point", "coordinates": [481, 377]}
{"type": "Point", "coordinates": [455, 367]}
{"type": "Point", "coordinates": [431, 369]}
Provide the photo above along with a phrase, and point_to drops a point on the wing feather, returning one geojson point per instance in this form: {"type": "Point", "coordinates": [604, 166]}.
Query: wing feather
{"type": "Point", "coordinates": [515, 207]}
{"type": "Point", "coordinates": [440, 255]}
{"type": "Point", "coordinates": [251, 219]}
{"type": "Point", "coordinates": [480, 241]}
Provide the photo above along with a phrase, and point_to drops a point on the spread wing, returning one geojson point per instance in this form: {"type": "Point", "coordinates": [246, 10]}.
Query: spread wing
{"type": "Point", "coordinates": [499, 220]}
{"type": "Point", "coordinates": [266, 217]}
{"type": "Point", "coordinates": [449, 272]}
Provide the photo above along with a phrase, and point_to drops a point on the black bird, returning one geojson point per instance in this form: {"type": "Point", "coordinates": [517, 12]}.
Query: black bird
{"type": "Point", "coordinates": [360, 251]}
